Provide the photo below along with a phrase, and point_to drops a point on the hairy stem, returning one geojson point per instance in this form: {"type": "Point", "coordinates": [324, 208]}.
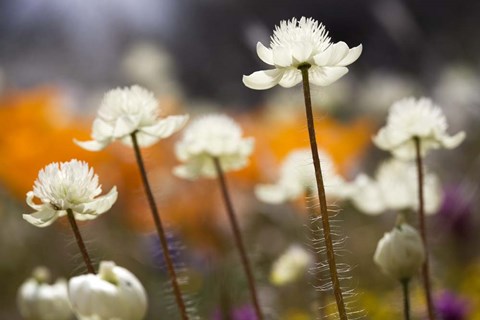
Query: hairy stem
{"type": "Point", "coordinates": [321, 196]}
{"type": "Point", "coordinates": [160, 230]}
{"type": "Point", "coordinates": [423, 231]}
{"type": "Point", "coordinates": [238, 237]}
{"type": "Point", "coordinates": [406, 298]}
{"type": "Point", "coordinates": [81, 244]}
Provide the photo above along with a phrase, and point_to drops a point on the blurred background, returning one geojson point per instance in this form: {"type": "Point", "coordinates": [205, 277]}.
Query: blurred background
{"type": "Point", "coordinates": [57, 58]}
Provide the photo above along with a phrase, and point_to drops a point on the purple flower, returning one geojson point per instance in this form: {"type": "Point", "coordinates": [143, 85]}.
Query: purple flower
{"type": "Point", "coordinates": [450, 306]}
{"type": "Point", "coordinates": [245, 312]}
{"type": "Point", "coordinates": [456, 211]}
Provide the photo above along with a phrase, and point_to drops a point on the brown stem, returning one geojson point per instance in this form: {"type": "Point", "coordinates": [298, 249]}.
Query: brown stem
{"type": "Point", "coordinates": [160, 231]}
{"type": "Point", "coordinates": [81, 244]}
{"type": "Point", "coordinates": [423, 231]}
{"type": "Point", "coordinates": [406, 298]}
{"type": "Point", "coordinates": [238, 237]}
{"type": "Point", "coordinates": [321, 196]}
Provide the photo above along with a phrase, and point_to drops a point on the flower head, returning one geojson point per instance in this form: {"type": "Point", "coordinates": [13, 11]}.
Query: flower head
{"type": "Point", "coordinates": [291, 265]}
{"type": "Point", "coordinates": [395, 187]}
{"type": "Point", "coordinates": [125, 111]}
{"type": "Point", "coordinates": [113, 293]}
{"type": "Point", "coordinates": [212, 136]}
{"type": "Point", "coordinates": [67, 186]}
{"type": "Point", "coordinates": [410, 118]}
{"type": "Point", "coordinates": [39, 300]}
{"type": "Point", "coordinates": [297, 176]}
{"type": "Point", "coordinates": [400, 252]}
{"type": "Point", "coordinates": [296, 43]}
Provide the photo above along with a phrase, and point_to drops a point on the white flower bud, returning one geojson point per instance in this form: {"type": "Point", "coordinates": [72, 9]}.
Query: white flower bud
{"type": "Point", "coordinates": [113, 293]}
{"type": "Point", "coordinates": [400, 253]}
{"type": "Point", "coordinates": [290, 266]}
{"type": "Point", "coordinates": [38, 300]}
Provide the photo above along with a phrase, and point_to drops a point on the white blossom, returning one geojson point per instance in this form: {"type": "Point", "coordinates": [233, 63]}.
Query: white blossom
{"type": "Point", "coordinates": [125, 111]}
{"type": "Point", "coordinates": [297, 43]}
{"type": "Point", "coordinates": [297, 177]}
{"type": "Point", "coordinates": [410, 118]}
{"type": "Point", "coordinates": [291, 265]}
{"type": "Point", "coordinates": [113, 293]}
{"type": "Point", "coordinates": [39, 300]}
{"type": "Point", "coordinates": [67, 185]}
{"type": "Point", "coordinates": [395, 187]}
{"type": "Point", "coordinates": [400, 253]}
{"type": "Point", "coordinates": [212, 136]}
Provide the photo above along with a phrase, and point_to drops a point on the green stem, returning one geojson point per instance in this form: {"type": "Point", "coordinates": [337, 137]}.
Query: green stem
{"type": "Point", "coordinates": [238, 237]}
{"type": "Point", "coordinates": [423, 230]}
{"type": "Point", "coordinates": [160, 230]}
{"type": "Point", "coordinates": [321, 196]}
{"type": "Point", "coordinates": [81, 244]}
{"type": "Point", "coordinates": [406, 298]}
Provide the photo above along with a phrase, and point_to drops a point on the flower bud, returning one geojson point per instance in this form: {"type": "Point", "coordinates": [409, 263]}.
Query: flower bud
{"type": "Point", "coordinates": [38, 300]}
{"type": "Point", "coordinates": [113, 293]}
{"type": "Point", "coordinates": [400, 253]}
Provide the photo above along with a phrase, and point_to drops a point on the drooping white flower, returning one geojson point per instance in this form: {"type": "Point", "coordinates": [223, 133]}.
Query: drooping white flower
{"type": "Point", "coordinates": [67, 185]}
{"type": "Point", "coordinates": [124, 111]}
{"type": "Point", "coordinates": [297, 43]}
{"type": "Point", "coordinates": [400, 253]}
{"type": "Point", "coordinates": [395, 187]}
{"type": "Point", "coordinates": [39, 300]}
{"type": "Point", "coordinates": [113, 293]}
{"type": "Point", "coordinates": [212, 136]}
{"type": "Point", "coordinates": [291, 265]}
{"type": "Point", "coordinates": [297, 177]}
{"type": "Point", "coordinates": [410, 118]}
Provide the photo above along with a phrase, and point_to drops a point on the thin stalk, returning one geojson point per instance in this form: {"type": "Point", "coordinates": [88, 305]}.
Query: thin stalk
{"type": "Point", "coordinates": [319, 258]}
{"type": "Point", "coordinates": [423, 231]}
{"type": "Point", "coordinates": [160, 230]}
{"type": "Point", "coordinates": [406, 298]}
{"type": "Point", "coordinates": [81, 244]}
{"type": "Point", "coordinates": [321, 196]}
{"type": "Point", "coordinates": [238, 237]}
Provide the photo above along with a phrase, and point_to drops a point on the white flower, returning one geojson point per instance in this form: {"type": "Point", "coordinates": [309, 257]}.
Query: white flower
{"type": "Point", "coordinates": [212, 136]}
{"type": "Point", "coordinates": [291, 265]}
{"type": "Point", "coordinates": [38, 300]}
{"type": "Point", "coordinates": [113, 293]}
{"type": "Point", "coordinates": [68, 185]}
{"type": "Point", "coordinates": [400, 253]}
{"type": "Point", "coordinates": [395, 187]}
{"type": "Point", "coordinates": [410, 118]}
{"type": "Point", "coordinates": [299, 43]}
{"type": "Point", "coordinates": [297, 176]}
{"type": "Point", "coordinates": [124, 111]}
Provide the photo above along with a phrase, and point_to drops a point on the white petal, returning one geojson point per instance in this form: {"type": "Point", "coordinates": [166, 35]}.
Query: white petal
{"type": "Point", "coordinates": [324, 76]}
{"type": "Point", "coordinates": [453, 141]}
{"type": "Point", "coordinates": [264, 53]}
{"type": "Point", "coordinates": [282, 57]}
{"type": "Point", "coordinates": [166, 127]}
{"type": "Point", "coordinates": [98, 205]}
{"type": "Point", "coordinates": [92, 145]}
{"type": "Point", "coordinates": [264, 79]}
{"type": "Point", "coordinates": [101, 130]}
{"type": "Point", "coordinates": [321, 59]}
{"type": "Point", "coordinates": [32, 204]}
{"type": "Point", "coordinates": [302, 51]}
{"type": "Point", "coordinates": [339, 52]}
{"type": "Point", "coordinates": [271, 193]}
{"type": "Point", "coordinates": [367, 196]}
{"type": "Point", "coordinates": [290, 78]}
{"type": "Point", "coordinates": [125, 125]}
{"type": "Point", "coordinates": [352, 56]}
{"type": "Point", "coordinates": [42, 218]}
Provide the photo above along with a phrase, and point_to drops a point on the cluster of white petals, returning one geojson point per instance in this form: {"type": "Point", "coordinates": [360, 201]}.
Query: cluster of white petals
{"type": "Point", "coordinates": [297, 178]}
{"type": "Point", "coordinates": [212, 136]}
{"type": "Point", "coordinates": [400, 253]}
{"type": "Point", "coordinates": [39, 300]}
{"type": "Point", "coordinates": [124, 111]}
{"type": "Point", "coordinates": [291, 265]}
{"type": "Point", "coordinates": [113, 293]}
{"type": "Point", "coordinates": [67, 185]}
{"type": "Point", "coordinates": [410, 118]}
{"type": "Point", "coordinates": [297, 43]}
{"type": "Point", "coordinates": [395, 187]}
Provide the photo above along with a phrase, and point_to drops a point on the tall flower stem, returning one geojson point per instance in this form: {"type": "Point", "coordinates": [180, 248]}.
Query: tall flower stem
{"type": "Point", "coordinates": [238, 237]}
{"type": "Point", "coordinates": [423, 231]}
{"type": "Point", "coordinates": [321, 196]}
{"type": "Point", "coordinates": [81, 244]}
{"type": "Point", "coordinates": [406, 298]}
{"type": "Point", "coordinates": [160, 230]}
{"type": "Point", "coordinates": [319, 258]}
